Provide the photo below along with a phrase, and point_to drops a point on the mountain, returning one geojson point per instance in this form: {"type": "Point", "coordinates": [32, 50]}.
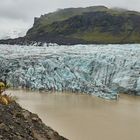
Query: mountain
{"type": "Point", "coordinates": [91, 25]}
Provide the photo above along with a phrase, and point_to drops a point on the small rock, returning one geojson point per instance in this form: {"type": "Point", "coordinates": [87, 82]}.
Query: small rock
{"type": "Point", "coordinates": [37, 135]}
{"type": "Point", "coordinates": [26, 114]}
{"type": "Point", "coordinates": [35, 119]}
{"type": "Point", "coordinates": [2, 126]}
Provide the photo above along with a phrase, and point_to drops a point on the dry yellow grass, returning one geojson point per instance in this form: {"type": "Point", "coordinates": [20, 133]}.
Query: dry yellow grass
{"type": "Point", "coordinates": [4, 99]}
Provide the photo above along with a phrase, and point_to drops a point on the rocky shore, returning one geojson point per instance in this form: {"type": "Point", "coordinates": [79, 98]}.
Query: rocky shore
{"type": "Point", "coordinates": [17, 123]}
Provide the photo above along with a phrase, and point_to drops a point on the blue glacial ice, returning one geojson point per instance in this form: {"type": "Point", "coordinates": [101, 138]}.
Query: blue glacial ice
{"type": "Point", "coordinates": [100, 70]}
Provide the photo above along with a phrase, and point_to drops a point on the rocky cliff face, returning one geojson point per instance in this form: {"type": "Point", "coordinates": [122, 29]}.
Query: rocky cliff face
{"type": "Point", "coordinates": [100, 70]}
{"type": "Point", "coordinates": [98, 27]}
{"type": "Point", "coordinates": [19, 124]}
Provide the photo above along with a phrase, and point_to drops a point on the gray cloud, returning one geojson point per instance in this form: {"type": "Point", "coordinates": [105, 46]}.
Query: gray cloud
{"type": "Point", "coordinates": [17, 11]}
{"type": "Point", "coordinates": [27, 9]}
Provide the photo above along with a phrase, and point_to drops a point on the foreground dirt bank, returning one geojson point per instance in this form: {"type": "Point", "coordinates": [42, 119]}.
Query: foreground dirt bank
{"type": "Point", "coordinates": [19, 124]}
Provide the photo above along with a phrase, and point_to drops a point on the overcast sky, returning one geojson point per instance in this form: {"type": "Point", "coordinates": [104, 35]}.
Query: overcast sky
{"type": "Point", "coordinates": [19, 14]}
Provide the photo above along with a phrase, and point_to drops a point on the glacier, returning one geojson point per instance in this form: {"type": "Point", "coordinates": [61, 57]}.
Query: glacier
{"type": "Point", "coordinates": [101, 70]}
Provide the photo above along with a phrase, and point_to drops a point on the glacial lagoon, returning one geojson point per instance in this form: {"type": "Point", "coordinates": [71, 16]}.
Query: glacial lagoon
{"type": "Point", "coordinates": [85, 117]}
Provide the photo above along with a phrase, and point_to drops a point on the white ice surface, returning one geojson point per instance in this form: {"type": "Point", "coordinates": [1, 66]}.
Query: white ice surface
{"type": "Point", "coordinates": [101, 70]}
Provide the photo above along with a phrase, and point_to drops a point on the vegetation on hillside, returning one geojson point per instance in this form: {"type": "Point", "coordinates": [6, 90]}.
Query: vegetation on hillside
{"type": "Point", "coordinates": [61, 15]}
{"type": "Point", "coordinates": [89, 25]}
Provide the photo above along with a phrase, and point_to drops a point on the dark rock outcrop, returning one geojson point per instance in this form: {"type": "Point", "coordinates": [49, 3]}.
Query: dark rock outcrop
{"type": "Point", "coordinates": [19, 124]}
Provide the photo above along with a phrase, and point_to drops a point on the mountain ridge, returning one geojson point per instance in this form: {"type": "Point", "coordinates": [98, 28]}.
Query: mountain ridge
{"type": "Point", "coordinates": [90, 25]}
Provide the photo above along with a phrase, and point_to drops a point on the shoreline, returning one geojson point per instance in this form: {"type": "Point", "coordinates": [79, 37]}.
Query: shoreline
{"type": "Point", "coordinates": [18, 123]}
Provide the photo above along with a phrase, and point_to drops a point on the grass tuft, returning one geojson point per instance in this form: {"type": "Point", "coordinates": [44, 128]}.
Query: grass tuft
{"type": "Point", "coordinates": [4, 98]}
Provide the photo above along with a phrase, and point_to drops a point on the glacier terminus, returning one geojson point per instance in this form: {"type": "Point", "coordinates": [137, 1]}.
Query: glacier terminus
{"type": "Point", "coordinates": [101, 70]}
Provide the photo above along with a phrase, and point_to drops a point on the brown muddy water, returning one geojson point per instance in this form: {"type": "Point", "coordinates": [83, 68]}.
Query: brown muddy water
{"type": "Point", "coordinates": [84, 117]}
